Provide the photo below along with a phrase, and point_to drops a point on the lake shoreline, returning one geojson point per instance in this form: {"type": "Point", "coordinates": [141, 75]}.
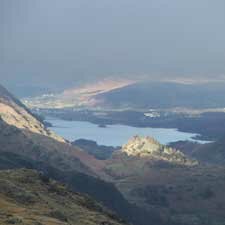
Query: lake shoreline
{"type": "Point", "coordinates": [116, 134]}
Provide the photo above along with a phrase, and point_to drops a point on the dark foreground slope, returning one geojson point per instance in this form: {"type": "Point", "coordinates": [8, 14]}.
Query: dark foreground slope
{"type": "Point", "coordinates": [29, 198]}
{"type": "Point", "coordinates": [104, 192]}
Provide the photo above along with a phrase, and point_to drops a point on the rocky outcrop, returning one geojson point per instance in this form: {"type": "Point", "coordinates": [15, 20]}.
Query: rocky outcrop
{"type": "Point", "coordinates": [149, 148]}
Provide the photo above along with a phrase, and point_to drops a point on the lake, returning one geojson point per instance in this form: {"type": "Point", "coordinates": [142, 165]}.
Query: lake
{"type": "Point", "coordinates": [113, 135]}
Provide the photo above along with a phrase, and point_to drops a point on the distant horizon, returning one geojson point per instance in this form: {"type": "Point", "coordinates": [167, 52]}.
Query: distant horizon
{"type": "Point", "coordinates": [80, 83]}
{"type": "Point", "coordinates": [56, 44]}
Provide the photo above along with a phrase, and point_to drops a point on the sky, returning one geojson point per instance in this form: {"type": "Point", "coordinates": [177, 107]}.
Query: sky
{"type": "Point", "coordinates": [55, 42]}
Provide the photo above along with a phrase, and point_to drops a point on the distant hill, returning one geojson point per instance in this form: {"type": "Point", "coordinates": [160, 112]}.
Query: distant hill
{"type": "Point", "coordinates": [128, 94]}
{"type": "Point", "coordinates": [210, 153]}
{"type": "Point", "coordinates": [213, 153]}
{"type": "Point", "coordinates": [161, 95]}
{"type": "Point", "coordinates": [83, 96]}
{"type": "Point", "coordinates": [29, 198]}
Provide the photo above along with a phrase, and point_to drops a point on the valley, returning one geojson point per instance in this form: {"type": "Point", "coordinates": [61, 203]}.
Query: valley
{"type": "Point", "coordinates": [136, 103]}
{"type": "Point", "coordinates": [112, 112]}
{"type": "Point", "coordinates": [143, 167]}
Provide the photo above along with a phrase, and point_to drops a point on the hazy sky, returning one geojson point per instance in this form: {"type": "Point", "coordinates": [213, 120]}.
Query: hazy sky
{"type": "Point", "coordinates": [64, 41]}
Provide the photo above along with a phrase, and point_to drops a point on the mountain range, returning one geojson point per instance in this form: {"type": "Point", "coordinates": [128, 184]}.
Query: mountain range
{"type": "Point", "coordinates": [83, 96]}
{"type": "Point", "coordinates": [134, 94]}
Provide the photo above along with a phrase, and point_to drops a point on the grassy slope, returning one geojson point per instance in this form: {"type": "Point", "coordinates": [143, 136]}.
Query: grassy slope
{"type": "Point", "coordinates": [28, 198]}
{"type": "Point", "coordinates": [104, 192]}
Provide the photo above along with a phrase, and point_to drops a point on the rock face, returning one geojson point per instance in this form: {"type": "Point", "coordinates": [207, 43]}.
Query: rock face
{"type": "Point", "coordinates": [142, 146]}
{"type": "Point", "coordinates": [13, 112]}
{"type": "Point", "coordinates": [29, 198]}
{"type": "Point", "coordinates": [149, 148]}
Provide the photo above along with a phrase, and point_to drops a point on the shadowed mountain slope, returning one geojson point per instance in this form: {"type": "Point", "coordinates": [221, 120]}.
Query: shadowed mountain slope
{"type": "Point", "coordinates": [165, 95]}
{"type": "Point", "coordinates": [98, 151]}
{"type": "Point", "coordinates": [41, 148]}
{"type": "Point", "coordinates": [210, 153]}
{"type": "Point", "coordinates": [22, 133]}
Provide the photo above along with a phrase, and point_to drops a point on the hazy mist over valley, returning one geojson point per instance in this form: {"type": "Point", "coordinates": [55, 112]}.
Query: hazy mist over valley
{"type": "Point", "coordinates": [112, 112]}
{"type": "Point", "coordinates": [64, 43]}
